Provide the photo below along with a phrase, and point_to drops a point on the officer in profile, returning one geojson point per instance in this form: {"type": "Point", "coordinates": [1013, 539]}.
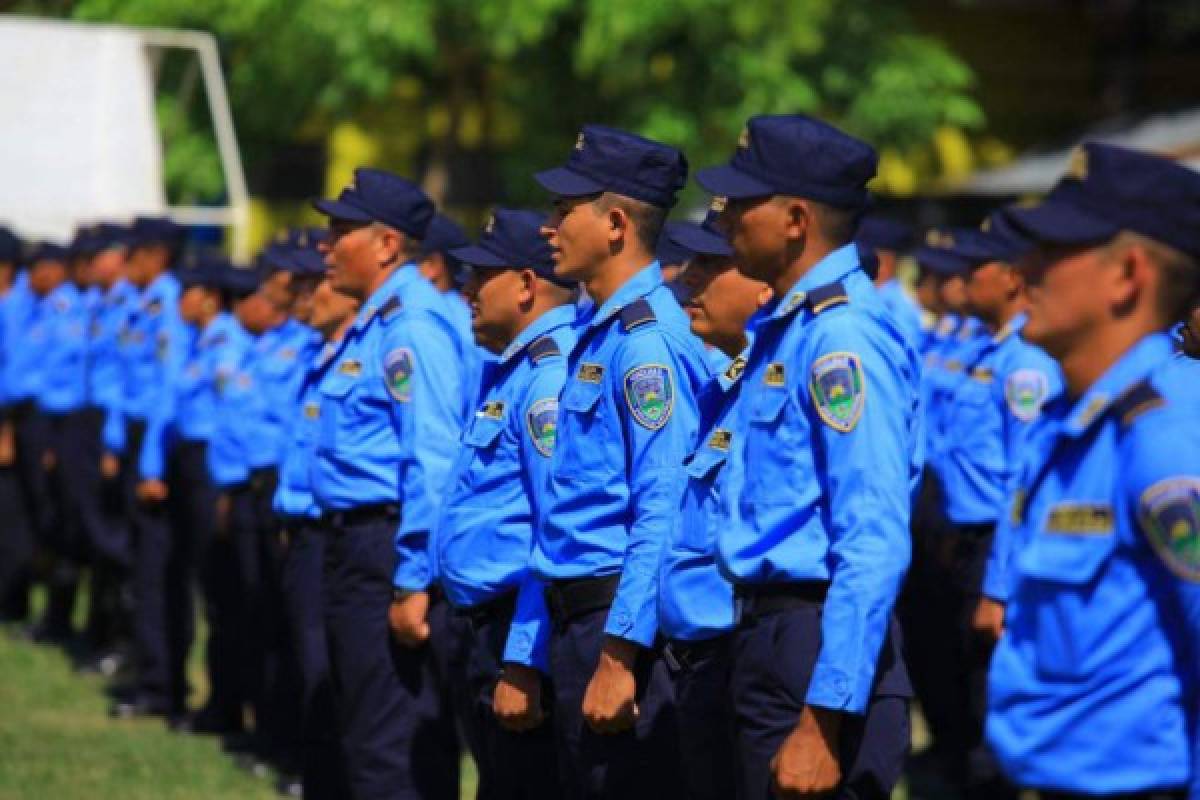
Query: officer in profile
{"type": "Point", "coordinates": [890, 240]}
{"type": "Point", "coordinates": [695, 602]}
{"type": "Point", "coordinates": [522, 313]}
{"type": "Point", "coordinates": [627, 417]}
{"type": "Point", "coordinates": [824, 461]}
{"type": "Point", "coordinates": [392, 407]}
{"type": "Point", "coordinates": [1093, 685]}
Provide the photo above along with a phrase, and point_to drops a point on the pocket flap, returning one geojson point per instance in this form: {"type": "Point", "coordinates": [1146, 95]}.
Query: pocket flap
{"type": "Point", "coordinates": [483, 432]}
{"type": "Point", "coordinates": [705, 462]}
{"type": "Point", "coordinates": [581, 396]}
{"type": "Point", "coordinates": [768, 405]}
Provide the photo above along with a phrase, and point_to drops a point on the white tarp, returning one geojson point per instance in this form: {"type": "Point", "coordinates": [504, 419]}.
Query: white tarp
{"type": "Point", "coordinates": [79, 141]}
{"type": "Point", "coordinates": [1176, 135]}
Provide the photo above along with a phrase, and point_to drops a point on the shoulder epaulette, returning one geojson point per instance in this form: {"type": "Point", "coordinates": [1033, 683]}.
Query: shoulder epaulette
{"type": "Point", "coordinates": [542, 348]}
{"type": "Point", "coordinates": [636, 314]}
{"type": "Point", "coordinates": [1136, 401]}
{"type": "Point", "coordinates": [390, 308]}
{"type": "Point", "coordinates": [826, 297]}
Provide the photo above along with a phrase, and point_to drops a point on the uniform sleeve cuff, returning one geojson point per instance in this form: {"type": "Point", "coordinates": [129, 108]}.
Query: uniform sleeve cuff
{"type": "Point", "coordinates": [832, 688]}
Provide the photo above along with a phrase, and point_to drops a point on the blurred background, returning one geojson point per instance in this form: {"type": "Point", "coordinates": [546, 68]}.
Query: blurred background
{"type": "Point", "coordinates": [970, 102]}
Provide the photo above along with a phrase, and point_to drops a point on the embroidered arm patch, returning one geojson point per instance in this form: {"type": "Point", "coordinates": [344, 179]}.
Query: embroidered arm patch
{"type": "Point", "coordinates": [839, 390]}
{"type": "Point", "coordinates": [1025, 391]}
{"type": "Point", "coordinates": [398, 370]}
{"type": "Point", "coordinates": [541, 421]}
{"type": "Point", "coordinates": [650, 395]}
{"type": "Point", "coordinates": [1170, 514]}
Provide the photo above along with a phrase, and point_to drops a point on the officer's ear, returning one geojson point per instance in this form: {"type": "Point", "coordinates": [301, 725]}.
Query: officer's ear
{"type": "Point", "coordinates": [798, 218]}
{"type": "Point", "coordinates": [527, 283]}
{"type": "Point", "coordinates": [389, 245]}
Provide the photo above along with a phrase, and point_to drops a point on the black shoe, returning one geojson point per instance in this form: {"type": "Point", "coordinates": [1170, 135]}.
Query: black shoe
{"type": "Point", "coordinates": [139, 707]}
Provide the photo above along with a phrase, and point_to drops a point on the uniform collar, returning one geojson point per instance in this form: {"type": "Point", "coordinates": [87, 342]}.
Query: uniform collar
{"type": "Point", "coordinates": [728, 377]}
{"type": "Point", "coordinates": [403, 276]}
{"type": "Point", "coordinates": [1137, 362]}
{"type": "Point", "coordinates": [1012, 326]}
{"type": "Point", "coordinates": [641, 284]}
{"type": "Point", "coordinates": [832, 268]}
{"type": "Point", "coordinates": [554, 318]}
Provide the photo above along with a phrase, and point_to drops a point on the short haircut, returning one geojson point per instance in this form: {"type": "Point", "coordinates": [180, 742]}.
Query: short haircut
{"type": "Point", "coordinates": [647, 219]}
{"type": "Point", "coordinates": [1179, 289]}
{"type": "Point", "coordinates": [838, 225]}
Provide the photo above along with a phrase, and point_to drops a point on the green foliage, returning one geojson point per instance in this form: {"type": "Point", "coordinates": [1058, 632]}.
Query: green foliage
{"type": "Point", "coordinates": [532, 71]}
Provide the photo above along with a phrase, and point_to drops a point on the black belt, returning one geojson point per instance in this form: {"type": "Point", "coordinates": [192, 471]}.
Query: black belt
{"type": "Point", "coordinates": [568, 599]}
{"type": "Point", "coordinates": [977, 530]}
{"type": "Point", "coordinates": [262, 477]}
{"type": "Point", "coordinates": [772, 598]}
{"type": "Point", "coordinates": [681, 655]}
{"type": "Point", "coordinates": [361, 515]}
{"type": "Point", "coordinates": [496, 609]}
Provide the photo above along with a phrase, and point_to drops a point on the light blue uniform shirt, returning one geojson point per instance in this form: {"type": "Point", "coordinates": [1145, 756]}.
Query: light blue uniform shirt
{"type": "Point", "coordinates": [695, 602]}
{"type": "Point", "coordinates": [106, 374]}
{"type": "Point", "coordinates": [959, 340]}
{"type": "Point", "coordinates": [293, 495]}
{"type": "Point", "coordinates": [212, 354]}
{"type": "Point", "coordinates": [235, 403]}
{"type": "Point", "coordinates": [64, 359]}
{"type": "Point", "coordinates": [393, 405]}
{"type": "Point", "coordinates": [16, 307]}
{"type": "Point", "coordinates": [627, 418]}
{"type": "Point", "coordinates": [823, 466]}
{"type": "Point", "coordinates": [485, 533]}
{"type": "Point", "coordinates": [904, 311]}
{"type": "Point", "coordinates": [31, 338]}
{"type": "Point", "coordinates": [1093, 686]}
{"type": "Point", "coordinates": [987, 422]}
{"type": "Point", "coordinates": [278, 367]}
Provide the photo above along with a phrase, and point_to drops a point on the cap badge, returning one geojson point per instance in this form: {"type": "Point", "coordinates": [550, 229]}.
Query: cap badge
{"type": "Point", "coordinates": [1078, 166]}
{"type": "Point", "coordinates": [579, 141]}
{"type": "Point", "coordinates": [718, 203]}
{"type": "Point", "coordinates": [744, 138]}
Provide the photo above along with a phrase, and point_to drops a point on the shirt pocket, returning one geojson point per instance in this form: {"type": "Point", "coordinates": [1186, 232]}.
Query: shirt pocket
{"type": "Point", "coordinates": [583, 438]}
{"type": "Point", "coordinates": [773, 444]}
{"type": "Point", "coordinates": [702, 470]}
{"type": "Point", "coordinates": [1068, 616]}
{"type": "Point", "coordinates": [483, 432]}
{"type": "Point", "coordinates": [335, 412]}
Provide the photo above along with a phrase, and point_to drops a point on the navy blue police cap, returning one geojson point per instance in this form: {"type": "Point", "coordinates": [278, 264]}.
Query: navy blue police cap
{"type": "Point", "coordinates": [10, 246]}
{"type": "Point", "coordinates": [444, 235]}
{"type": "Point", "coordinates": [610, 160]}
{"type": "Point", "coordinates": [147, 231]}
{"type": "Point", "coordinates": [705, 239]}
{"type": "Point", "coordinates": [48, 251]}
{"type": "Point", "coordinates": [941, 255]}
{"type": "Point", "coordinates": [666, 252]}
{"type": "Point", "coordinates": [999, 240]}
{"type": "Point", "coordinates": [882, 233]}
{"type": "Point", "coordinates": [203, 268]}
{"type": "Point", "coordinates": [306, 257]}
{"type": "Point", "coordinates": [1109, 189]}
{"type": "Point", "coordinates": [240, 281]}
{"type": "Point", "coordinates": [512, 239]}
{"type": "Point", "coordinates": [379, 196]}
{"type": "Point", "coordinates": [796, 155]}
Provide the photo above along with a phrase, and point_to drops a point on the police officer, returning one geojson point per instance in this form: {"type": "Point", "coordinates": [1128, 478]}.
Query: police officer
{"type": "Point", "coordinates": [890, 240]}
{"type": "Point", "coordinates": [522, 312]}
{"type": "Point", "coordinates": [820, 481]}
{"type": "Point", "coordinates": [16, 545]}
{"type": "Point", "coordinates": [231, 668]}
{"type": "Point", "coordinates": [330, 314]}
{"type": "Point", "coordinates": [33, 433]}
{"type": "Point", "coordinates": [627, 417]}
{"type": "Point", "coordinates": [110, 549]}
{"type": "Point", "coordinates": [988, 422]}
{"type": "Point", "coordinates": [1093, 686]}
{"type": "Point", "coordinates": [695, 602]}
{"type": "Point", "coordinates": [391, 410]}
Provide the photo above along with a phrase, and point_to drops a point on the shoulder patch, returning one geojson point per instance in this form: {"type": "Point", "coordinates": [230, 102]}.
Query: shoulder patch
{"type": "Point", "coordinates": [542, 348]}
{"type": "Point", "coordinates": [390, 308]}
{"type": "Point", "coordinates": [839, 390]}
{"type": "Point", "coordinates": [1170, 515]}
{"type": "Point", "coordinates": [650, 395]}
{"type": "Point", "coordinates": [397, 371]}
{"type": "Point", "coordinates": [1136, 401]}
{"type": "Point", "coordinates": [541, 421]}
{"type": "Point", "coordinates": [636, 314]}
{"type": "Point", "coordinates": [828, 296]}
{"type": "Point", "coordinates": [1025, 391]}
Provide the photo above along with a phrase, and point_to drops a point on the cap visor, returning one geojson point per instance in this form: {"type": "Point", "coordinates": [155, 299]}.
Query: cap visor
{"type": "Point", "coordinates": [730, 182]}
{"type": "Point", "coordinates": [339, 210]}
{"type": "Point", "coordinates": [941, 262]}
{"type": "Point", "coordinates": [1056, 222]}
{"type": "Point", "coordinates": [478, 256]}
{"type": "Point", "coordinates": [700, 241]}
{"type": "Point", "coordinates": [567, 183]}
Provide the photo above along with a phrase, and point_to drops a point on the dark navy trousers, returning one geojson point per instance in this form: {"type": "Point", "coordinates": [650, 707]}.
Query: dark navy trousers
{"type": "Point", "coordinates": [700, 672]}
{"type": "Point", "coordinates": [324, 775]}
{"type": "Point", "coordinates": [388, 697]}
{"type": "Point", "coordinates": [16, 543]}
{"type": "Point", "coordinates": [512, 766]}
{"type": "Point", "coordinates": [640, 763]}
{"type": "Point", "coordinates": [773, 660]}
